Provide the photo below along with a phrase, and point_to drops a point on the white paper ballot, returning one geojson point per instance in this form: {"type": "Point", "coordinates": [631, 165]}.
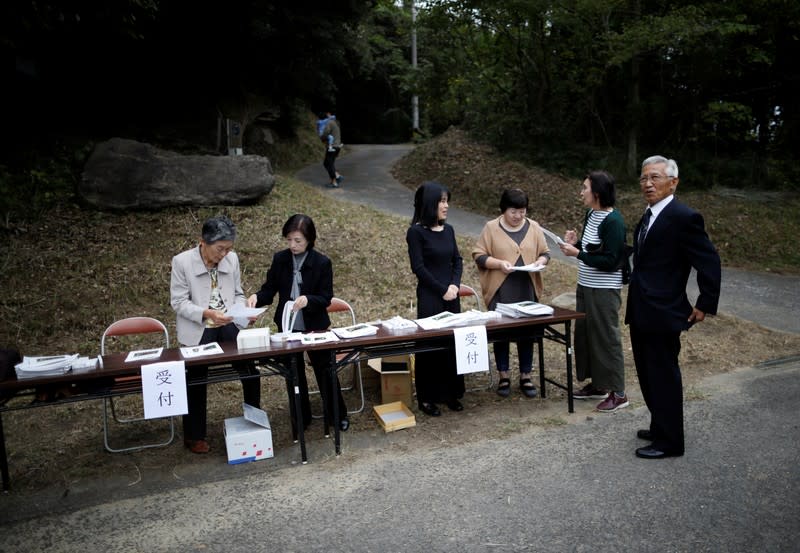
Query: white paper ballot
{"type": "Point", "coordinates": [532, 268]}
{"type": "Point", "coordinates": [241, 313]}
{"type": "Point", "coordinates": [553, 236]}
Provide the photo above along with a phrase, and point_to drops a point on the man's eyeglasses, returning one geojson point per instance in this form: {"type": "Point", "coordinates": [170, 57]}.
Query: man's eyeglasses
{"type": "Point", "coordinates": [655, 178]}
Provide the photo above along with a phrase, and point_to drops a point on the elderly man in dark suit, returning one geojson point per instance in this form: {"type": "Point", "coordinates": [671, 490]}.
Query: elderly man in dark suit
{"type": "Point", "coordinates": [669, 241]}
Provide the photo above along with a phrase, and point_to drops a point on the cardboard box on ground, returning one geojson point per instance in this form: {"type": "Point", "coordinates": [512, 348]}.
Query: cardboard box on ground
{"type": "Point", "coordinates": [248, 438]}
{"type": "Point", "coordinates": [395, 378]}
{"type": "Point", "coordinates": [396, 392]}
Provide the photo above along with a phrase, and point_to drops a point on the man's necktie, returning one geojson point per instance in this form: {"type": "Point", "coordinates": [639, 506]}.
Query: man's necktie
{"type": "Point", "coordinates": [645, 225]}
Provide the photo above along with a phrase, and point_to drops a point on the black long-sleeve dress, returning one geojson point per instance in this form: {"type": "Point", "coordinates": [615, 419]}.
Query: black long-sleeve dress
{"type": "Point", "coordinates": [437, 263]}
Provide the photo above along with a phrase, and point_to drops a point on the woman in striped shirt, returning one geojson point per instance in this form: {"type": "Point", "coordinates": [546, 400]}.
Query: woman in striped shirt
{"type": "Point", "coordinates": [600, 253]}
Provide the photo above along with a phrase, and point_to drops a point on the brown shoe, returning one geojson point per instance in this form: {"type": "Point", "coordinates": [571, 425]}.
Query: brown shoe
{"type": "Point", "coordinates": [589, 392]}
{"type": "Point", "coordinates": [197, 446]}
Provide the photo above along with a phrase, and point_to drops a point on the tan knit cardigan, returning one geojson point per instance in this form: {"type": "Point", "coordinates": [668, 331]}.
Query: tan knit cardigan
{"type": "Point", "coordinates": [494, 242]}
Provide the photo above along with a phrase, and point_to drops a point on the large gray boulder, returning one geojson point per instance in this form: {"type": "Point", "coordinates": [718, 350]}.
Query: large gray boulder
{"type": "Point", "coordinates": [125, 174]}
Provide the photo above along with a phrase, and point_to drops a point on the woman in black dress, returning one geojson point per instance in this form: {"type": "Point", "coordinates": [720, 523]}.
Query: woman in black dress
{"type": "Point", "coordinates": [436, 262]}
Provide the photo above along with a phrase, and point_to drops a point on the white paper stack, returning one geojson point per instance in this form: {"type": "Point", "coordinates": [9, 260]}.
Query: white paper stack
{"type": "Point", "coordinates": [252, 338]}
{"type": "Point", "coordinates": [473, 316]}
{"type": "Point", "coordinates": [445, 319]}
{"type": "Point", "coordinates": [524, 309]}
{"type": "Point", "coordinates": [318, 338]}
{"type": "Point", "coordinates": [440, 320]}
{"type": "Point", "coordinates": [32, 367]}
{"type": "Point", "coordinates": [356, 331]}
{"type": "Point", "coordinates": [280, 337]}
{"type": "Point", "coordinates": [398, 323]}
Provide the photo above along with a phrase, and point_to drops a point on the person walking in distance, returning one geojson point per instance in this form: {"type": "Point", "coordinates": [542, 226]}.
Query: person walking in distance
{"type": "Point", "coordinates": [669, 241]}
{"type": "Point", "coordinates": [332, 136]}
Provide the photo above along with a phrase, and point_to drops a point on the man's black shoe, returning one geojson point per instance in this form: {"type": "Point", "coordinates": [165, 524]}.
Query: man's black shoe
{"type": "Point", "coordinates": [652, 453]}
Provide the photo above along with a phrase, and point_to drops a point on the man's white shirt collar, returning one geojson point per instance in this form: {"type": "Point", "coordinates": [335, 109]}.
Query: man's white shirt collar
{"type": "Point", "coordinates": [659, 206]}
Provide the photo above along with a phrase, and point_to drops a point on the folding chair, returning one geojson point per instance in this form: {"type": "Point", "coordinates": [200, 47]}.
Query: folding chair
{"type": "Point", "coordinates": [340, 306]}
{"type": "Point", "coordinates": [128, 327]}
{"type": "Point", "coordinates": [465, 291]}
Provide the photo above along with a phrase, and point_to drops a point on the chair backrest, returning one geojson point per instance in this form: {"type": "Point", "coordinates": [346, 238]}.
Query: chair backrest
{"type": "Point", "coordinates": [134, 325]}
{"type": "Point", "coordinates": [339, 306]}
{"type": "Point", "coordinates": [466, 291]}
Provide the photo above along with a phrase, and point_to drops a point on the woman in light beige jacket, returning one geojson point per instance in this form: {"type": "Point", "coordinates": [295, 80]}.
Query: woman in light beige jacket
{"type": "Point", "coordinates": [505, 242]}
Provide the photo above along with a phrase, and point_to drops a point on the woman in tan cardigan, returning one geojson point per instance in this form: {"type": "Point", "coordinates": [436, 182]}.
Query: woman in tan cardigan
{"type": "Point", "coordinates": [505, 242]}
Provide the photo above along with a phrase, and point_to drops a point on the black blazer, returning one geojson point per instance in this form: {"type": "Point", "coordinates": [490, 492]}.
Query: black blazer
{"type": "Point", "coordinates": [676, 242]}
{"type": "Point", "coordinates": [317, 273]}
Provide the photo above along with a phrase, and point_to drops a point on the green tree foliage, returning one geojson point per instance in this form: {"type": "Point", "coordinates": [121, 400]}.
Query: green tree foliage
{"type": "Point", "coordinates": [373, 97]}
{"type": "Point", "coordinates": [590, 82]}
{"type": "Point", "coordinates": [572, 84]}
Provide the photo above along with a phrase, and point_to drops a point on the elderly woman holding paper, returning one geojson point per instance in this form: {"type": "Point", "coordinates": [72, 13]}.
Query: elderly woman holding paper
{"type": "Point", "coordinates": [304, 276]}
{"type": "Point", "coordinates": [205, 283]}
{"type": "Point", "coordinates": [510, 253]}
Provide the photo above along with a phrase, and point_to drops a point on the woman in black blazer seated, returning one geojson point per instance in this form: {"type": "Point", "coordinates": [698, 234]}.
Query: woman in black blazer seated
{"type": "Point", "coordinates": [303, 274]}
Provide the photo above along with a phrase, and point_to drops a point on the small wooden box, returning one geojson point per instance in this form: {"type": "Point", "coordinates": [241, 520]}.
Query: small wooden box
{"type": "Point", "coordinates": [394, 416]}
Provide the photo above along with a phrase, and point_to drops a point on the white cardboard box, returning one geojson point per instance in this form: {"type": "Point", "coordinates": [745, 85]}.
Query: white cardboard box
{"type": "Point", "coordinates": [248, 438]}
{"type": "Point", "coordinates": [252, 338]}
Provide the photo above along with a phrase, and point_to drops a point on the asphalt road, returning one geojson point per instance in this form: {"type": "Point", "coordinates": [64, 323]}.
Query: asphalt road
{"type": "Point", "coordinates": [560, 487]}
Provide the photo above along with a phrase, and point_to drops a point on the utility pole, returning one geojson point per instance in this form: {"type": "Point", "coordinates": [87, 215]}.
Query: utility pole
{"type": "Point", "coordinates": [414, 97]}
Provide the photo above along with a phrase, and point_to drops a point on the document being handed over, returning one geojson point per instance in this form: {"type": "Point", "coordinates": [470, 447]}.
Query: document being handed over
{"type": "Point", "coordinates": [242, 314]}
{"type": "Point", "coordinates": [553, 236]}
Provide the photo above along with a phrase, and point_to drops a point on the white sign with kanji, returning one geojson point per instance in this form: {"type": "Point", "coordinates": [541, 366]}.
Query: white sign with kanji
{"type": "Point", "coordinates": [472, 349]}
{"type": "Point", "coordinates": [164, 389]}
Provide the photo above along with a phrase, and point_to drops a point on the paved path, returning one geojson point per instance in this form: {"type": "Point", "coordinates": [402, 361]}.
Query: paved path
{"type": "Point", "coordinates": [768, 299]}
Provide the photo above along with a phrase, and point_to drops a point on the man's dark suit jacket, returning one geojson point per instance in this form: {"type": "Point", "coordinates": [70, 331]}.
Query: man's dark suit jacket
{"type": "Point", "coordinates": [317, 273]}
{"type": "Point", "coordinates": [676, 242]}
